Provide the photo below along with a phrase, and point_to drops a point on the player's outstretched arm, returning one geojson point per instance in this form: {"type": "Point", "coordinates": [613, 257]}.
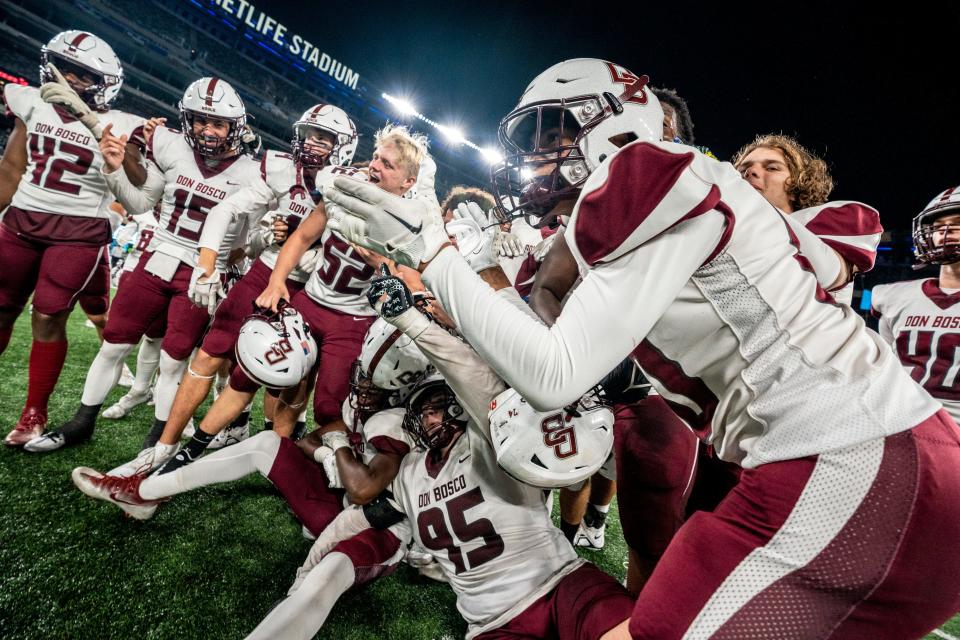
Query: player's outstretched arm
{"type": "Point", "coordinates": [13, 163]}
{"type": "Point", "coordinates": [293, 249]}
{"type": "Point", "coordinates": [556, 276]}
{"type": "Point", "coordinates": [133, 198]}
{"type": "Point", "coordinates": [830, 269]}
{"type": "Point", "coordinates": [252, 201]}
{"type": "Point", "coordinates": [602, 322]}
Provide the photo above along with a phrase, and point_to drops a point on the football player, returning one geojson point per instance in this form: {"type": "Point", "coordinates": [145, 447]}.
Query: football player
{"type": "Point", "coordinates": [190, 172]}
{"type": "Point", "coordinates": [513, 572]}
{"type": "Point", "coordinates": [689, 269]}
{"type": "Point", "coordinates": [58, 203]}
{"type": "Point", "coordinates": [324, 142]}
{"type": "Point", "coordinates": [798, 184]}
{"type": "Point", "coordinates": [920, 319]}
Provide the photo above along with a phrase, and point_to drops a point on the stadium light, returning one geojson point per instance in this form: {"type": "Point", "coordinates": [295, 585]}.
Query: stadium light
{"type": "Point", "coordinates": [491, 155]}
{"type": "Point", "coordinates": [403, 106]}
{"type": "Point", "coordinates": [452, 134]}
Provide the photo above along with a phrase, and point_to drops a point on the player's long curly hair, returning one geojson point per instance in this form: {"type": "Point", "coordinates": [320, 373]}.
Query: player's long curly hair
{"type": "Point", "coordinates": [810, 181]}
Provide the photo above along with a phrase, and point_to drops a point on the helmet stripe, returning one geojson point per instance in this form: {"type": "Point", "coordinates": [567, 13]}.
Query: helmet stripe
{"type": "Point", "coordinates": [317, 109]}
{"type": "Point", "coordinates": [208, 100]}
{"type": "Point", "coordinates": [382, 351]}
{"type": "Point", "coordinates": [80, 37]}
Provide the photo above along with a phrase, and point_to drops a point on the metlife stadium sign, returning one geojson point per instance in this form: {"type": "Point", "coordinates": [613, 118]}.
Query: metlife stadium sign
{"type": "Point", "coordinates": [295, 45]}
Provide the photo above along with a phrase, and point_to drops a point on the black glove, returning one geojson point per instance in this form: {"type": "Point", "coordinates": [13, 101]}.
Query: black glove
{"type": "Point", "coordinates": [626, 384]}
{"type": "Point", "coordinates": [398, 295]}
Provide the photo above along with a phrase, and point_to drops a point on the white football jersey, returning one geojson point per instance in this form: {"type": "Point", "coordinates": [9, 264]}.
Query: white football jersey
{"type": "Point", "coordinates": [382, 432]}
{"type": "Point", "coordinates": [492, 536]}
{"type": "Point", "coordinates": [850, 228]}
{"type": "Point", "coordinates": [63, 158]}
{"type": "Point", "coordinates": [341, 278]}
{"type": "Point", "coordinates": [690, 269]}
{"type": "Point", "coordinates": [921, 322]}
{"type": "Point", "coordinates": [146, 227]}
{"type": "Point", "coordinates": [191, 189]}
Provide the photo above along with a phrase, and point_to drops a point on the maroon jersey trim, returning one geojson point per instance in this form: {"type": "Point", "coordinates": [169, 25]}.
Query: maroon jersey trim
{"type": "Point", "coordinates": [931, 289]}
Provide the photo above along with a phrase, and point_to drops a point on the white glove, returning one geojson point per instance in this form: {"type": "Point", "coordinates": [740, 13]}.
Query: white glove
{"type": "Point", "coordinates": [328, 460]}
{"type": "Point", "coordinates": [508, 245]}
{"type": "Point", "coordinates": [473, 243]}
{"type": "Point", "coordinates": [543, 247]}
{"type": "Point", "coordinates": [205, 291]}
{"type": "Point", "coordinates": [309, 259]}
{"type": "Point", "coordinates": [60, 92]}
{"type": "Point", "coordinates": [407, 231]}
{"type": "Point", "coordinates": [335, 439]}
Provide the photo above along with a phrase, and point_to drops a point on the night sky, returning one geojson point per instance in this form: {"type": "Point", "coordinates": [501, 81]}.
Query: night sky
{"type": "Point", "coordinates": [876, 95]}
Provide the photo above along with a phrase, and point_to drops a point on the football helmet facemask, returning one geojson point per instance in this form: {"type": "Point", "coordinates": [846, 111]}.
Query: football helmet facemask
{"type": "Point", "coordinates": [434, 415]}
{"type": "Point", "coordinates": [276, 350]}
{"type": "Point", "coordinates": [331, 120]}
{"type": "Point", "coordinates": [571, 118]}
{"type": "Point", "coordinates": [85, 56]}
{"type": "Point", "coordinates": [935, 243]}
{"type": "Point", "coordinates": [213, 99]}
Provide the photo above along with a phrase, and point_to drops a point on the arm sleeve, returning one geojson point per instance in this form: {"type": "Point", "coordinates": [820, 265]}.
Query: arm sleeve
{"type": "Point", "coordinates": [824, 260]}
{"type": "Point", "coordinates": [253, 201]}
{"type": "Point", "coordinates": [472, 379]}
{"type": "Point", "coordinates": [604, 319]}
{"type": "Point", "coordinates": [136, 199]}
{"type": "Point", "coordinates": [512, 296]}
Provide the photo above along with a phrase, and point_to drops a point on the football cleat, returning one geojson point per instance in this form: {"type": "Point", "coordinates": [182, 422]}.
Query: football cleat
{"type": "Point", "coordinates": [126, 404]}
{"type": "Point", "coordinates": [230, 435]}
{"type": "Point", "coordinates": [126, 377]}
{"type": "Point", "coordinates": [31, 425]}
{"type": "Point", "coordinates": [75, 431]}
{"type": "Point", "coordinates": [592, 538]}
{"type": "Point", "coordinates": [121, 491]}
{"type": "Point", "coordinates": [306, 533]}
{"type": "Point", "coordinates": [149, 459]}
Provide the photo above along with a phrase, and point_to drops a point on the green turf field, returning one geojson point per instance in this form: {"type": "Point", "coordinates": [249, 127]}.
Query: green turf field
{"type": "Point", "coordinates": [210, 564]}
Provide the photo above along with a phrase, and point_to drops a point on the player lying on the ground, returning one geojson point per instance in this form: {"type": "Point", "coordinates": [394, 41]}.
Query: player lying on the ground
{"type": "Point", "coordinates": [692, 271]}
{"type": "Point", "coordinates": [919, 318]}
{"type": "Point", "coordinates": [512, 570]}
{"type": "Point", "coordinates": [314, 474]}
{"type": "Point", "coordinates": [189, 173]}
{"type": "Point", "coordinates": [55, 230]}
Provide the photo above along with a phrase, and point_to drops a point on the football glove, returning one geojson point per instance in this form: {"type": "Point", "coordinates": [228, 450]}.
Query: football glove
{"type": "Point", "coordinates": [60, 92]}
{"type": "Point", "coordinates": [543, 247]}
{"type": "Point", "coordinates": [398, 295]}
{"type": "Point", "coordinates": [508, 245]}
{"type": "Point", "coordinates": [328, 460]}
{"type": "Point", "coordinates": [407, 231]}
{"type": "Point", "coordinates": [475, 237]}
{"type": "Point", "coordinates": [205, 291]}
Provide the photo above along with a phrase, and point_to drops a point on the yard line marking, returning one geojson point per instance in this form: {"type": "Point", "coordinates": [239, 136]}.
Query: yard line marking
{"type": "Point", "coordinates": [944, 635]}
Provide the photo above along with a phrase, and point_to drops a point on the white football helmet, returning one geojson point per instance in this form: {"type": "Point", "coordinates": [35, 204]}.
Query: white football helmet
{"type": "Point", "coordinates": [571, 118]}
{"type": "Point", "coordinates": [276, 350]}
{"type": "Point", "coordinates": [550, 449]}
{"type": "Point", "coordinates": [330, 119]}
{"type": "Point", "coordinates": [925, 242]}
{"type": "Point", "coordinates": [213, 98]}
{"type": "Point", "coordinates": [434, 401]}
{"type": "Point", "coordinates": [392, 360]}
{"type": "Point", "coordinates": [83, 53]}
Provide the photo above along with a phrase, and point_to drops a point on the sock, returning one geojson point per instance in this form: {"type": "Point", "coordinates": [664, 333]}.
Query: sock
{"type": "Point", "coordinates": [5, 338]}
{"type": "Point", "coordinates": [46, 362]}
{"type": "Point", "coordinates": [302, 613]}
{"type": "Point", "coordinates": [254, 455]}
{"type": "Point", "coordinates": [268, 425]}
{"type": "Point", "coordinates": [569, 530]}
{"type": "Point", "coordinates": [171, 371]}
{"type": "Point", "coordinates": [193, 450]}
{"type": "Point", "coordinates": [104, 372]}
{"type": "Point", "coordinates": [299, 430]}
{"type": "Point", "coordinates": [595, 515]}
{"type": "Point", "coordinates": [153, 437]}
{"type": "Point", "coordinates": [148, 359]}
{"type": "Point", "coordinates": [80, 427]}
{"type": "Point", "coordinates": [240, 420]}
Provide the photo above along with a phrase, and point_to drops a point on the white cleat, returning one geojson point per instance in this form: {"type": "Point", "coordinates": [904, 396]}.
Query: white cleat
{"type": "Point", "coordinates": [123, 492]}
{"type": "Point", "coordinates": [147, 460]}
{"type": "Point", "coordinates": [126, 377]}
{"type": "Point", "coordinates": [126, 404]}
{"type": "Point", "coordinates": [89, 325]}
{"type": "Point", "coordinates": [229, 436]}
{"type": "Point", "coordinates": [590, 537]}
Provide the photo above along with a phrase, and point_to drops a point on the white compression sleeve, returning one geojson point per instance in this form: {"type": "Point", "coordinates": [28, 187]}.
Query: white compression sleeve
{"type": "Point", "coordinates": [252, 201]}
{"type": "Point", "coordinates": [171, 371]}
{"type": "Point", "coordinates": [136, 199]}
{"type": "Point", "coordinates": [301, 614]}
{"type": "Point", "coordinates": [604, 319]}
{"type": "Point", "coordinates": [104, 372]}
{"type": "Point", "coordinates": [253, 455]}
{"type": "Point", "coordinates": [148, 359]}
